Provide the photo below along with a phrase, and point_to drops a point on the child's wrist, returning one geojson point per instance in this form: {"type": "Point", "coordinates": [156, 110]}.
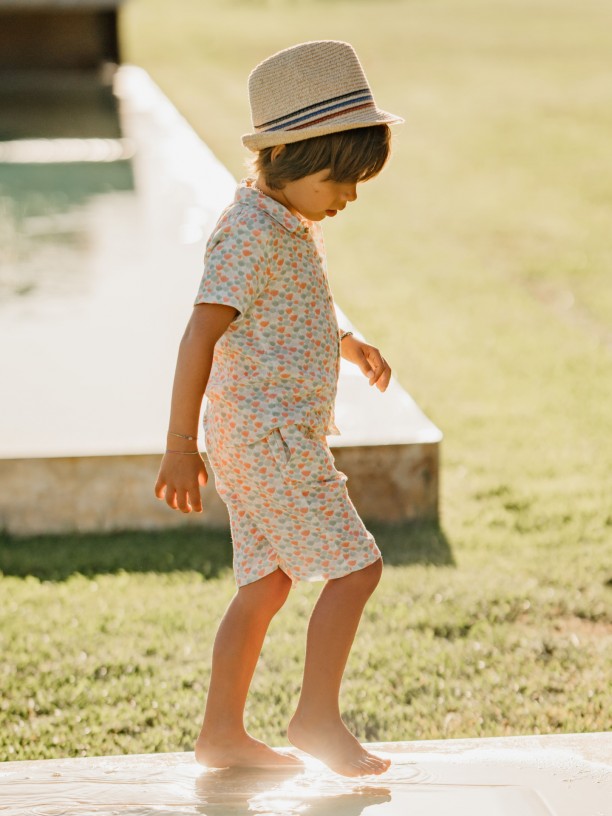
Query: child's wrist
{"type": "Point", "coordinates": [189, 437]}
{"type": "Point", "coordinates": [177, 442]}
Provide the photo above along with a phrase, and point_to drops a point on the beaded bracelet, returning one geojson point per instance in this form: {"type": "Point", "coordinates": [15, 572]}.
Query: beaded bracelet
{"type": "Point", "coordinates": [345, 334]}
{"type": "Point", "coordinates": [185, 453]}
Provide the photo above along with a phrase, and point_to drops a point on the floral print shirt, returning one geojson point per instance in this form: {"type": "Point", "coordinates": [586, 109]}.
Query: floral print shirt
{"type": "Point", "coordinates": [278, 362]}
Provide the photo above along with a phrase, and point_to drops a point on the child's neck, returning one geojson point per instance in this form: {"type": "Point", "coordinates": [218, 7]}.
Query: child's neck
{"type": "Point", "coordinates": [277, 195]}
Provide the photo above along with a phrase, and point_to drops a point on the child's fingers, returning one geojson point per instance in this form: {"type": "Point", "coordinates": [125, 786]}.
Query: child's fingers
{"type": "Point", "coordinates": [181, 501]}
{"type": "Point", "coordinates": [383, 380]}
{"type": "Point", "coordinates": [364, 365]}
{"type": "Point", "coordinates": [194, 493]}
{"type": "Point", "coordinates": [160, 487]}
{"type": "Point", "coordinates": [375, 367]}
{"type": "Point", "coordinates": [195, 499]}
{"type": "Point", "coordinates": [380, 369]}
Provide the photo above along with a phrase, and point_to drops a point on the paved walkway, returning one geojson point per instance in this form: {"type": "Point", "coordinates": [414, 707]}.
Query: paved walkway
{"type": "Point", "coordinates": [565, 775]}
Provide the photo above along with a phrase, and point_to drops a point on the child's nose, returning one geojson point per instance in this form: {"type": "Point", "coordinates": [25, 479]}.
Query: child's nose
{"type": "Point", "coordinates": [351, 193]}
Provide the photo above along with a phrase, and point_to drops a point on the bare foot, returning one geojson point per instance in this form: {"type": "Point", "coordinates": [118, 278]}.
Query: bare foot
{"type": "Point", "coordinates": [242, 751]}
{"type": "Point", "coordinates": [333, 744]}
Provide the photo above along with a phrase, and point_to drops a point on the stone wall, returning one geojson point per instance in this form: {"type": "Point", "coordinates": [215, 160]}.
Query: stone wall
{"type": "Point", "coordinates": [95, 493]}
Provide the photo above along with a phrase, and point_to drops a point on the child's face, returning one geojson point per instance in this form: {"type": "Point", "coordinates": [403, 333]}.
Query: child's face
{"type": "Point", "coordinates": [316, 196]}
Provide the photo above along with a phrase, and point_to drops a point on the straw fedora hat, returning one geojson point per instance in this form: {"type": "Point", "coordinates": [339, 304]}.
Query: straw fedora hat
{"type": "Point", "coordinates": [308, 90]}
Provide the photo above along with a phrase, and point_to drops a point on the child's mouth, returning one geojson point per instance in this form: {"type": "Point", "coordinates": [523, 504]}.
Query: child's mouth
{"type": "Point", "coordinates": [331, 213]}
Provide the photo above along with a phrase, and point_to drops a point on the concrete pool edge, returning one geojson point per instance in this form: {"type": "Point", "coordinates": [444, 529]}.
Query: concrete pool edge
{"type": "Point", "coordinates": [88, 419]}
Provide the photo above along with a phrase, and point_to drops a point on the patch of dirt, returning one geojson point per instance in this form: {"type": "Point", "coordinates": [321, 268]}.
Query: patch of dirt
{"type": "Point", "coordinates": [570, 626]}
{"type": "Point", "coordinates": [584, 629]}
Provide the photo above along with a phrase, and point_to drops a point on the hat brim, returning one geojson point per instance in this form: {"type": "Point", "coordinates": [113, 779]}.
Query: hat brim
{"type": "Point", "coordinates": [350, 121]}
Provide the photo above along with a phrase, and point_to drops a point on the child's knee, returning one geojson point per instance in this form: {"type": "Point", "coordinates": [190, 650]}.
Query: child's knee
{"type": "Point", "coordinates": [280, 585]}
{"type": "Point", "coordinates": [268, 593]}
{"type": "Point", "coordinates": [365, 580]}
{"type": "Point", "coordinates": [373, 573]}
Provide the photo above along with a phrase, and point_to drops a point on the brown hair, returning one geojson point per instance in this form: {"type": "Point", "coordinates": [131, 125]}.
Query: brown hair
{"type": "Point", "coordinates": [350, 156]}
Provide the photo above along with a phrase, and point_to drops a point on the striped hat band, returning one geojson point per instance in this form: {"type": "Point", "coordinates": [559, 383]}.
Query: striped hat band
{"type": "Point", "coordinates": [321, 112]}
{"type": "Point", "coordinates": [311, 89]}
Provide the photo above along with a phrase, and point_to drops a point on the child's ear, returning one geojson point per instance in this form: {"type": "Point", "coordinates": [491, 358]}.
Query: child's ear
{"type": "Point", "coordinates": [277, 151]}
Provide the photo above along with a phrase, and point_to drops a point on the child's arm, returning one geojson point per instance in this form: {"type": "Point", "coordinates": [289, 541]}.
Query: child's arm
{"type": "Point", "coordinates": [181, 474]}
{"type": "Point", "coordinates": [369, 360]}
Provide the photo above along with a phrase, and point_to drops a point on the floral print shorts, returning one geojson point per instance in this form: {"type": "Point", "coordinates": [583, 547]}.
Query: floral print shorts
{"type": "Point", "coordinates": [288, 505]}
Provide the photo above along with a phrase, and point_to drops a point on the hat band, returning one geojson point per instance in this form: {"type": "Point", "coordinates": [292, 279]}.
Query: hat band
{"type": "Point", "coordinates": [320, 112]}
{"type": "Point", "coordinates": [330, 116]}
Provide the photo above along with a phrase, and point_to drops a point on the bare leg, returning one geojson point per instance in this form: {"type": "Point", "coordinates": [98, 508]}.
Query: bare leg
{"type": "Point", "coordinates": [223, 740]}
{"type": "Point", "coordinates": [317, 726]}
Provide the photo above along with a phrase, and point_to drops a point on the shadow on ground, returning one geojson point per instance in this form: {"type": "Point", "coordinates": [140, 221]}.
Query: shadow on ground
{"type": "Point", "coordinates": [413, 543]}
{"type": "Point", "coordinates": [209, 552]}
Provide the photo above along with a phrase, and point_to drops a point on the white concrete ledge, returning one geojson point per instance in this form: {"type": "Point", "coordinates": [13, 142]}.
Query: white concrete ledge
{"type": "Point", "coordinates": [87, 365]}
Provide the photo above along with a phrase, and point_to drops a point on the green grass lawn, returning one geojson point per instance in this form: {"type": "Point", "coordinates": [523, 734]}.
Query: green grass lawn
{"type": "Point", "coordinates": [109, 641]}
{"type": "Point", "coordinates": [480, 263]}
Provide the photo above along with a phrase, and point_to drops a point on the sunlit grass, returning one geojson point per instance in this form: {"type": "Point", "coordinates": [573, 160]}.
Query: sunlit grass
{"type": "Point", "coordinates": [506, 642]}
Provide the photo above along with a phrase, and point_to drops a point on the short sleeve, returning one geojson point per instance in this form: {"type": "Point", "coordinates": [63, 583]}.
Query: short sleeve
{"type": "Point", "coordinates": [234, 267]}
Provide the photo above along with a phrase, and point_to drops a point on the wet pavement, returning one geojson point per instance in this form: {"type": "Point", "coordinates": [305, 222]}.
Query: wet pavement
{"type": "Point", "coordinates": [562, 775]}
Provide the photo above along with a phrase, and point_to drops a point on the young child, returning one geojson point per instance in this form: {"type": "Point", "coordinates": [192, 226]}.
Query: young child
{"type": "Point", "coordinates": [264, 344]}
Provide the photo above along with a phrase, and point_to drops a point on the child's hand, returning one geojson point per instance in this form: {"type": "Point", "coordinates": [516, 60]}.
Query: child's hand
{"type": "Point", "coordinates": [179, 480]}
{"type": "Point", "coordinates": [369, 360]}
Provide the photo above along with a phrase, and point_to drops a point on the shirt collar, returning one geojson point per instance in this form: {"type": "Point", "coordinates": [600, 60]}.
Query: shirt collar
{"type": "Point", "coordinates": [247, 193]}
